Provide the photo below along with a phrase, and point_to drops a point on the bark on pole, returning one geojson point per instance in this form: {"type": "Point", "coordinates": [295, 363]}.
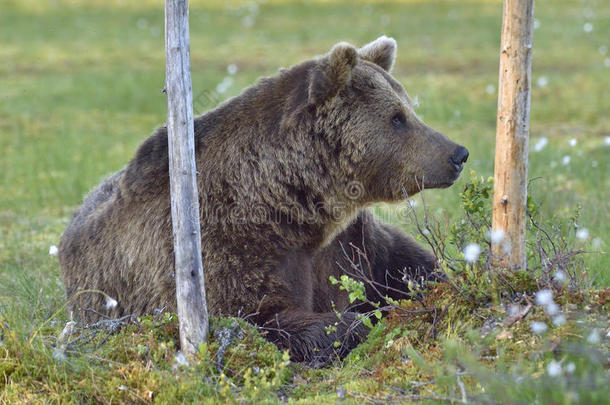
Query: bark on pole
{"type": "Point", "coordinates": [510, 175]}
{"type": "Point", "coordinates": [190, 288]}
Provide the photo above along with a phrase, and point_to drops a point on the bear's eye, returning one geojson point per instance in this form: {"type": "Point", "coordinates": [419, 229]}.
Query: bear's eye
{"type": "Point", "coordinates": [399, 120]}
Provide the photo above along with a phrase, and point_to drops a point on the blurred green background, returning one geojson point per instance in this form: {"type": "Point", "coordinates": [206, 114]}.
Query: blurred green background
{"type": "Point", "coordinates": [81, 81]}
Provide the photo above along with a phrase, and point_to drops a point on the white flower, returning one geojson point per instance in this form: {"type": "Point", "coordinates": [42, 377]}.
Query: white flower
{"type": "Point", "coordinates": [472, 252]}
{"type": "Point", "coordinates": [607, 139]}
{"type": "Point", "coordinates": [570, 368]}
{"type": "Point", "coordinates": [607, 64]}
{"type": "Point", "coordinates": [553, 369]}
{"type": "Point", "coordinates": [224, 85]}
{"type": "Point", "coordinates": [111, 303]}
{"type": "Point", "coordinates": [496, 236]}
{"type": "Point", "coordinates": [594, 337]}
{"type": "Point", "coordinates": [573, 142]}
{"type": "Point", "coordinates": [597, 242]}
{"type": "Point", "coordinates": [565, 160]}
{"type": "Point", "coordinates": [537, 23]}
{"type": "Point", "coordinates": [490, 89]}
{"type": "Point", "coordinates": [514, 309]}
{"type": "Point", "coordinates": [538, 327]}
{"type": "Point", "coordinates": [602, 49]}
{"type": "Point", "coordinates": [53, 250]}
{"type": "Point", "coordinates": [247, 21]}
{"type": "Point", "coordinates": [559, 277]}
{"type": "Point", "coordinates": [180, 360]}
{"type": "Point", "coordinates": [59, 355]}
{"type": "Point", "coordinates": [582, 234]}
{"type": "Point", "coordinates": [544, 297]}
{"type": "Point", "coordinates": [142, 23]}
{"type": "Point", "coordinates": [543, 81]}
{"type": "Point", "coordinates": [507, 247]}
{"type": "Point", "coordinates": [232, 69]}
{"type": "Point", "coordinates": [552, 309]}
{"type": "Point", "coordinates": [559, 320]}
{"type": "Point", "coordinates": [588, 27]}
{"type": "Point", "coordinates": [542, 142]}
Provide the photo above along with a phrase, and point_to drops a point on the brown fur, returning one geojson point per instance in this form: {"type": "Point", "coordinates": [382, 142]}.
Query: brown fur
{"type": "Point", "coordinates": [285, 171]}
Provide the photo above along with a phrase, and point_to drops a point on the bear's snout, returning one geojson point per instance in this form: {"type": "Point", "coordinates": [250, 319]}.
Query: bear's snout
{"type": "Point", "coordinates": [458, 158]}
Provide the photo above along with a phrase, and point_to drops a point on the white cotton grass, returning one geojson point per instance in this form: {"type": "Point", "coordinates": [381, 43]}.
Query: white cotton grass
{"type": "Point", "coordinates": [552, 308]}
{"type": "Point", "coordinates": [247, 21]}
{"type": "Point", "coordinates": [540, 144]}
{"type": "Point", "coordinates": [180, 360]}
{"type": "Point", "coordinates": [537, 23]}
{"type": "Point", "coordinates": [607, 140]}
{"type": "Point", "coordinates": [559, 277]}
{"type": "Point", "coordinates": [232, 69]}
{"type": "Point", "coordinates": [496, 236]}
{"type": "Point", "coordinates": [490, 89]}
{"type": "Point", "coordinates": [566, 160]}
{"type": "Point", "coordinates": [553, 369]}
{"type": "Point", "coordinates": [594, 337]}
{"type": "Point", "coordinates": [415, 101]}
{"type": "Point", "coordinates": [472, 252]}
{"type": "Point", "coordinates": [570, 368]}
{"type": "Point", "coordinates": [544, 297]}
{"type": "Point", "coordinates": [582, 234]}
{"type": "Point", "coordinates": [224, 85]}
{"type": "Point", "coordinates": [514, 309]}
{"type": "Point", "coordinates": [573, 142]}
{"type": "Point", "coordinates": [588, 27]}
{"type": "Point", "coordinates": [53, 250]}
{"type": "Point", "coordinates": [542, 81]}
{"type": "Point", "coordinates": [559, 320]}
{"type": "Point", "coordinates": [111, 303]}
{"type": "Point", "coordinates": [538, 327]}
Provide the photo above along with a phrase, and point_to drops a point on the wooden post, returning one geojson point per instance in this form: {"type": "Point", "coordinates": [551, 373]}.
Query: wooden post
{"type": "Point", "coordinates": [190, 286]}
{"type": "Point", "coordinates": [510, 175]}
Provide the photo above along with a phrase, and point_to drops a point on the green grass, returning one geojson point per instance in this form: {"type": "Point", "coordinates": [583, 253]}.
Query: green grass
{"type": "Point", "coordinates": [80, 88]}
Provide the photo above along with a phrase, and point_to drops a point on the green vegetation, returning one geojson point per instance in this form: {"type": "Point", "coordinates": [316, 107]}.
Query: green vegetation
{"type": "Point", "coordinates": [80, 88]}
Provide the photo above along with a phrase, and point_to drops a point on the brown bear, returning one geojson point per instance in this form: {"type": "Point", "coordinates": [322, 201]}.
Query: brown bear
{"type": "Point", "coordinates": [286, 170]}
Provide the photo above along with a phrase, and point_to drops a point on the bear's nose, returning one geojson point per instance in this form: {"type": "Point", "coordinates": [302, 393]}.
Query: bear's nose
{"type": "Point", "coordinates": [459, 157]}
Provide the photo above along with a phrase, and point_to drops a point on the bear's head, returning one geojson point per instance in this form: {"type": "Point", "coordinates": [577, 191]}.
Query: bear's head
{"type": "Point", "coordinates": [369, 117]}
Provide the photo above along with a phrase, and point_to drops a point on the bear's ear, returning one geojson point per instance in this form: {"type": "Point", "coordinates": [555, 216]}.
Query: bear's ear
{"type": "Point", "coordinates": [333, 73]}
{"type": "Point", "coordinates": [381, 51]}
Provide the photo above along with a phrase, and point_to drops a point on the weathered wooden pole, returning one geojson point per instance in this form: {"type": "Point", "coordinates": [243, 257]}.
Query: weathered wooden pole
{"type": "Point", "coordinates": [512, 133]}
{"type": "Point", "coordinates": [190, 286]}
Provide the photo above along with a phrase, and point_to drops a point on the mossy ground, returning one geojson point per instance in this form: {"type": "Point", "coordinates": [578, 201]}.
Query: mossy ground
{"type": "Point", "coordinates": [80, 88]}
